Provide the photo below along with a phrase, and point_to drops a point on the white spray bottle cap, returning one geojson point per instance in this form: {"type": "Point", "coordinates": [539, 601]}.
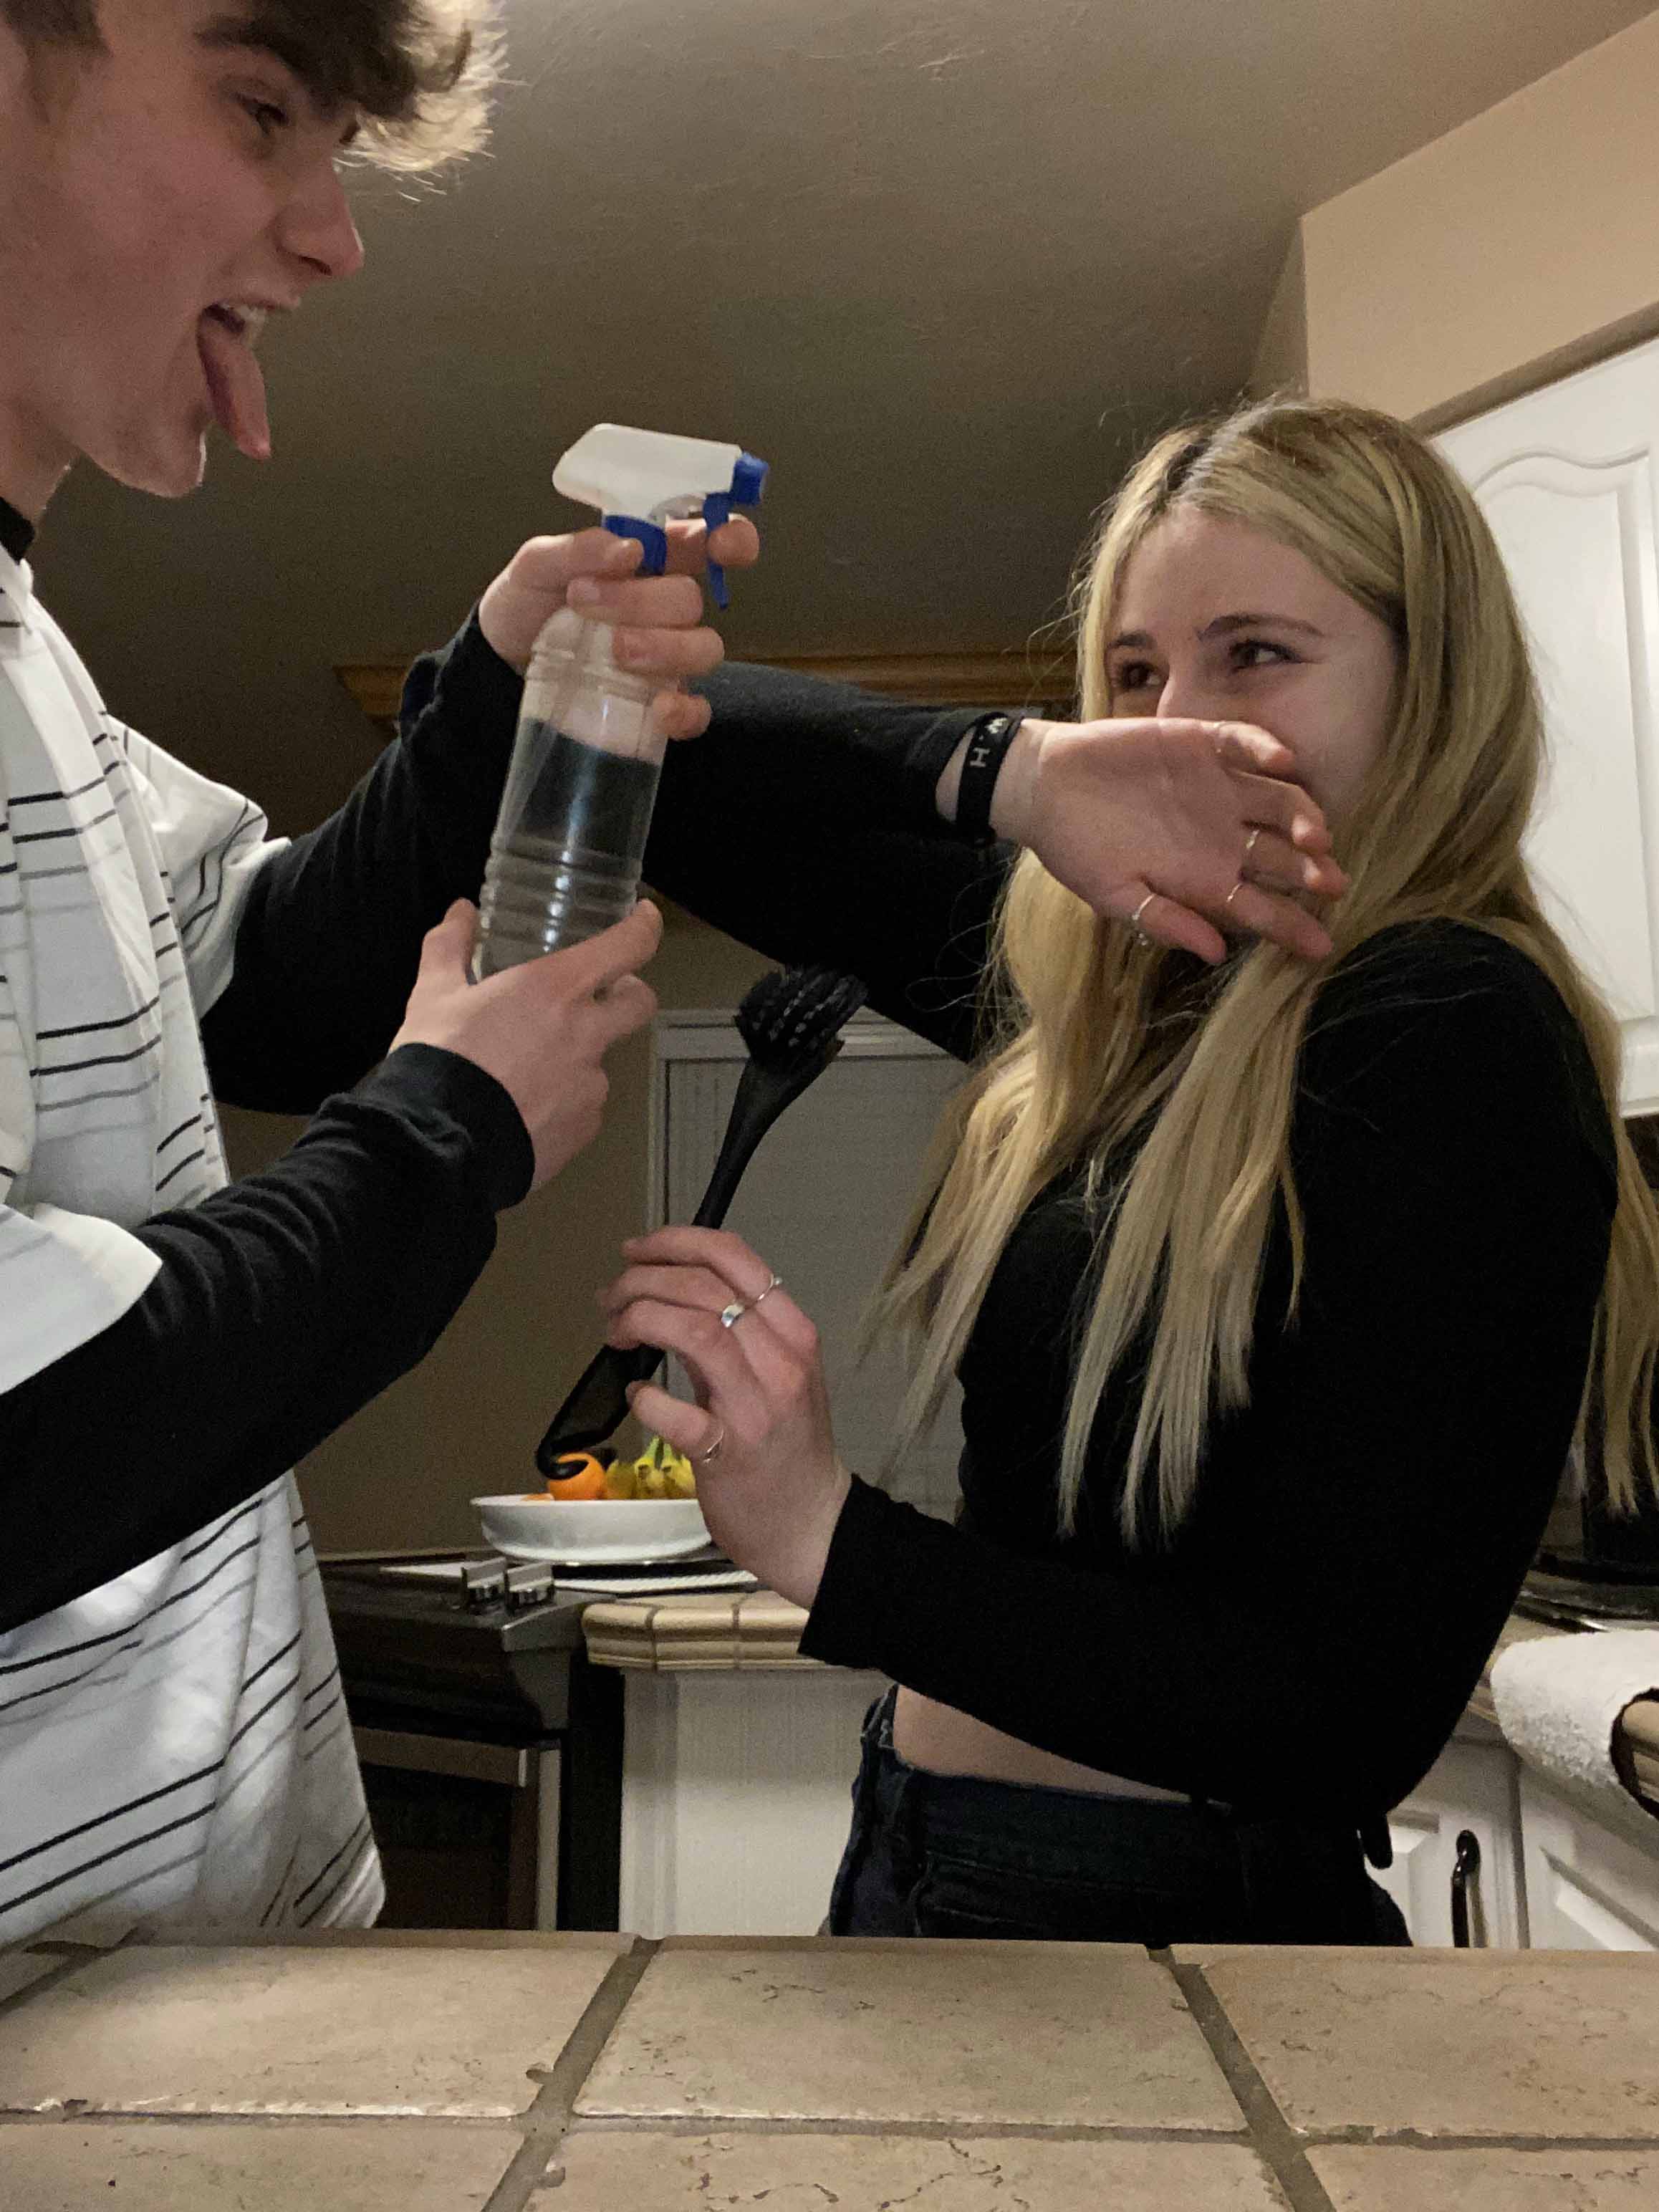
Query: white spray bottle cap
{"type": "Point", "coordinates": [641, 480]}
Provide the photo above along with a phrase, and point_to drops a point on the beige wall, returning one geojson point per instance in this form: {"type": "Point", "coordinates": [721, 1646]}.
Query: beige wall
{"type": "Point", "coordinates": [466, 1421]}
{"type": "Point", "coordinates": [1513, 249]}
{"type": "Point", "coordinates": [1281, 360]}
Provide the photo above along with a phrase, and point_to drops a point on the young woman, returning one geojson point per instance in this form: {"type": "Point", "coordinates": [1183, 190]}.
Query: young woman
{"type": "Point", "coordinates": [1280, 1291]}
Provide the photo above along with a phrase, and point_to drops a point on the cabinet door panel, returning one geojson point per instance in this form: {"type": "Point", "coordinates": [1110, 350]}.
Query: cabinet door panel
{"type": "Point", "coordinates": [737, 1798]}
{"type": "Point", "coordinates": [1569, 479]}
{"type": "Point", "coordinates": [1587, 1890]}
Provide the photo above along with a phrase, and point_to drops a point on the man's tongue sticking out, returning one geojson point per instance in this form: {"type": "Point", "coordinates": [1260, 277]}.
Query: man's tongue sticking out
{"type": "Point", "coordinates": [235, 386]}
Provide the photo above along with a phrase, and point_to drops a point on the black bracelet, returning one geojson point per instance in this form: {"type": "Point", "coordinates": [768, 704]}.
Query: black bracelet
{"type": "Point", "coordinates": [988, 740]}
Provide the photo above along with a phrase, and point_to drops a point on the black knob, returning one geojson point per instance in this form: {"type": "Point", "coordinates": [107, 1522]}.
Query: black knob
{"type": "Point", "coordinates": [1466, 1871]}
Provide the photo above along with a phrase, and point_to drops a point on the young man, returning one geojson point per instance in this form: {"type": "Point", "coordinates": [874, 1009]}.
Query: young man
{"type": "Point", "coordinates": [173, 1748]}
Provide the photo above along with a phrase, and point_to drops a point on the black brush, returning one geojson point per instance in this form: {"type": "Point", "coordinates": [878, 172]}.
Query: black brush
{"type": "Point", "coordinates": [790, 1022]}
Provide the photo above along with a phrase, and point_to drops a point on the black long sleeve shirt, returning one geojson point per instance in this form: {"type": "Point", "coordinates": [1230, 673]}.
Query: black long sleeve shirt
{"type": "Point", "coordinates": [17, 531]}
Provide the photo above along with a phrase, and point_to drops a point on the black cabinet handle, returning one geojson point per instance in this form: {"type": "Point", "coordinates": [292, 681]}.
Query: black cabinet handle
{"type": "Point", "coordinates": [1466, 1872]}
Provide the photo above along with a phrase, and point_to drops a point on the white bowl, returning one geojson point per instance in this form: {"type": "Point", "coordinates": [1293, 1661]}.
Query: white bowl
{"type": "Point", "coordinates": [593, 1532]}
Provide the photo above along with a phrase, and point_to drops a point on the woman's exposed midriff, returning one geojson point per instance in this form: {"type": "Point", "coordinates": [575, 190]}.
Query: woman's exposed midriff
{"type": "Point", "coordinates": [941, 1740]}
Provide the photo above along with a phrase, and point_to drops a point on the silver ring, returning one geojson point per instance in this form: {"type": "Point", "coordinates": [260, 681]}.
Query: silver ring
{"type": "Point", "coordinates": [1249, 848]}
{"type": "Point", "coordinates": [1141, 938]}
{"type": "Point", "coordinates": [734, 1313]}
{"type": "Point", "coordinates": [1226, 903]}
{"type": "Point", "coordinates": [710, 1452]}
{"type": "Point", "coordinates": [777, 1284]}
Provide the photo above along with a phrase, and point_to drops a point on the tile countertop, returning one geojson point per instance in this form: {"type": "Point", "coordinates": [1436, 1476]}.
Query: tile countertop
{"type": "Point", "coordinates": [471, 2073]}
{"type": "Point", "coordinates": [719, 1630]}
{"type": "Point", "coordinates": [757, 1629]}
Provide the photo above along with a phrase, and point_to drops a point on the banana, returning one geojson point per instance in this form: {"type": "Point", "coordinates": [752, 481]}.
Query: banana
{"type": "Point", "coordinates": [662, 1471]}
{"type": "Point", "coordinates": [622, 1479]}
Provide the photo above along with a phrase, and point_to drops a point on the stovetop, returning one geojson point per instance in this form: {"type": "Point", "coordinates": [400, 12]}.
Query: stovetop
{"type": "Point", "coordinates": [418, 1647]}
{"type": "Point", "coordinates": [473, 1595]}
{"type": "Point", "coordinates": [496, 1594]}
{"type": "Point", "coordinates": [483, 1643]}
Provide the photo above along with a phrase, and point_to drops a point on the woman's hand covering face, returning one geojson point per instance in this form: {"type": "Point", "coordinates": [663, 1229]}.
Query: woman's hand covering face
{"type": "Point", "coordinates": [1187, 829]}
{"type": "Point", "coordinates": [1250, 702]}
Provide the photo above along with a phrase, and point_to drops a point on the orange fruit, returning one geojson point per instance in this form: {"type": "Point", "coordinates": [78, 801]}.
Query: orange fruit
{"type": "Point", "coordinates": [580, 1475]}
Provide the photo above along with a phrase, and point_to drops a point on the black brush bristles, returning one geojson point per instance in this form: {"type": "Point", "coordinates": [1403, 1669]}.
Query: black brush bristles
{"type": "Point", "coordinates": [791, 1014]}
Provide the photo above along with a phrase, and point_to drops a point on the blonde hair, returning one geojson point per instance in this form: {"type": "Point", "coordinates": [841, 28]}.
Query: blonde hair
{"type": "Point", "coordinates": [1097, 1039]}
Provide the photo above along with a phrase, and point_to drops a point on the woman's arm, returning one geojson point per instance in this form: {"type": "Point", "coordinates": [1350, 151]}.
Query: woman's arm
{"type": "Point", "coordinates": [805, 824]}
{"type": "Point", "coordinates": [1362, 1529]}
{"type": "Point", "coordinates": [816, 822]}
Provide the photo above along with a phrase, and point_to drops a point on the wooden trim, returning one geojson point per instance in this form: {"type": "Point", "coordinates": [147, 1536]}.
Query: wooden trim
{"type": "Point", "coordinates": [1022, 676]}
{"type": "Point", "coordinates": [1017, 677]}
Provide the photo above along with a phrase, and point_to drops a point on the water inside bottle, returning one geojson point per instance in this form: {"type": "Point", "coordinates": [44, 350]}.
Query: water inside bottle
{"type": "Point", "coordinates": [565, 860]}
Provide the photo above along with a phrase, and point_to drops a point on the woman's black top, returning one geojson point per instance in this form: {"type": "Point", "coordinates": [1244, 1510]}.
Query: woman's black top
{"type": "Point", "coordinates": [1309, 1640]}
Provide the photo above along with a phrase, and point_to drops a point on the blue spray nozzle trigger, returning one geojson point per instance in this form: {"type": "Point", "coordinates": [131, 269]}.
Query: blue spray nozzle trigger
{"type": "Point", "coordinates": [748, 484]}
{"type": "Point", "coordinates": [717, 509]}
{"type": "Point", "coordinates": [651, 535]}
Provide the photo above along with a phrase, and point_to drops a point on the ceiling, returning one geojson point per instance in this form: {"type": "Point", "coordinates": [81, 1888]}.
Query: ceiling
{"type": "Point", "coordinates": [944, 263]}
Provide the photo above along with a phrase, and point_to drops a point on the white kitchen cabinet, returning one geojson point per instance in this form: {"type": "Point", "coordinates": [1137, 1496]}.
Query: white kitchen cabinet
{"type": "Point", "coordinates": [737, 1793]}
{"type": "Point", "coordinates": [1587, 1888]}
{"type": "Point", "coordinates": [1472, 1789]}
{"type": "Point", "coordinates": [1569, 479]}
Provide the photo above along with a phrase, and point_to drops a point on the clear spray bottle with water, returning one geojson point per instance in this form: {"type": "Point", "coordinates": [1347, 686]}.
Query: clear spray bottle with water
{"type": "Point", "coordinates": [569, 841]}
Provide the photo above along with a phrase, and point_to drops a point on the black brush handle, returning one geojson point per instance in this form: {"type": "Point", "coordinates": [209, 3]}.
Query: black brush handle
{"type": "Point", "coordinates": [597, 1405]}
{"type": "Point", "coordinates": [762, 1095]}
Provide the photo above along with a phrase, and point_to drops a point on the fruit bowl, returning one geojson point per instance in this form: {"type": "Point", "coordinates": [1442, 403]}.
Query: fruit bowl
{"type": "Point", "coordinates": [593, 1532]}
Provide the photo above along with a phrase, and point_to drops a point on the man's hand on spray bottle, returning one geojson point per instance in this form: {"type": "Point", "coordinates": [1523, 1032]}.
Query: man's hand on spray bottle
{"type": "Point", "coordinates": [659, 630]}
{"type": "Point", "coordinates": [542, 1030]}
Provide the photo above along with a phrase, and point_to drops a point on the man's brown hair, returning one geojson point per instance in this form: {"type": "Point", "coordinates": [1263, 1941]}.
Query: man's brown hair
{"type": "Point", "coordinates": [418, 73]}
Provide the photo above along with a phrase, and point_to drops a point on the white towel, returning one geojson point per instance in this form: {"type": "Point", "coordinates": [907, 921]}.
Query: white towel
{"type": "Point", "coordinates": [1559, 1699]}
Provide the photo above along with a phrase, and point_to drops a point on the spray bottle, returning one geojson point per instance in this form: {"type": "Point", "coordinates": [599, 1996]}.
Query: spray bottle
{"type": "Point", "coordinates": [569, 841]}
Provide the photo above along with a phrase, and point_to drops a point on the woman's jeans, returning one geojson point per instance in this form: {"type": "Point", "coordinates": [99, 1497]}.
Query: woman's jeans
{"type": "Point", "coordinates": [947, 1855]}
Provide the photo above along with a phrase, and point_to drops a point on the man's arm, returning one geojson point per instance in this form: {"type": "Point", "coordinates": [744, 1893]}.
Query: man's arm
{"type": "Point", "coordinates": [329, 934]}
{"type": "Point", "coordinates": [276, 1308]}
